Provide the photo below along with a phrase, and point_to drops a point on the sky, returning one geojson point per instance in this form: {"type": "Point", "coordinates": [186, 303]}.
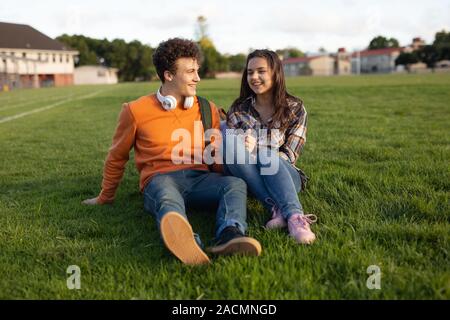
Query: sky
{"type": "Point", "coordinates": [236, 26]}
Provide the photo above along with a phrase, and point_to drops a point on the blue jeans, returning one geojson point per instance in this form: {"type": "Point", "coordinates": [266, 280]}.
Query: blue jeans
{"type": "Point", "coordinates": [171, 191]}
{"type": "Point", "coordinates": [281, 188]}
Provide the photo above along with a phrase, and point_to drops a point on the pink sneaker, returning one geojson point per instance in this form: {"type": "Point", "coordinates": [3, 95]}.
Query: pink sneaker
{"type": "Point", "coordinates": [299, 229]}
{"type": "Point", "coordinates": [277, 221]}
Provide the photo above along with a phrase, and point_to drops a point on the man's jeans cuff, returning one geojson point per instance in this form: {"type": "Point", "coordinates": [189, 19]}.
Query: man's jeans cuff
{"type": "Point", "coordinates": [228, 223]}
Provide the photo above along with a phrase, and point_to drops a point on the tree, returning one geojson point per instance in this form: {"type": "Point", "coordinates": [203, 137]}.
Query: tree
{"type": "Point", "coordinates": [441, 37]}
{"type": "Point", "coordinates": [116, 55]}
{"type": "Point", "coordinates": [87, 55]}
{"type": "Point", "coordinates": [442, 45]}
{"type": "Point", "coordinates": [428, 55]}
{"type": "Point", "coordinates": [134, 60]}
{"type": "Point", "coordinates": [213, 61]}
{"type": "Point", "coordinates": [381, 42]}
{"type": "Point", "coordinates": [237, 62]}
{"type": "Point", "coordinates": [290, 52]}
{"type": "Point", "coordinates": [295, 53]}
{"type": "Point", "coordinates": [305, 70]}
{"type": "Point", "coordinates": [406, 58]}
{"type": "Point", "coordinates": [211, 58]}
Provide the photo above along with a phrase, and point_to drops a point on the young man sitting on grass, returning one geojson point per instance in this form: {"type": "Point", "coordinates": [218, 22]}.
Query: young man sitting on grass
{"type": "Point", "coordinates": [146, 125]}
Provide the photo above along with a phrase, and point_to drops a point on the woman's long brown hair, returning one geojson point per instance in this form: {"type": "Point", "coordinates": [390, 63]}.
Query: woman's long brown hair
{"type": "Point", "coordinates": [282, 114]}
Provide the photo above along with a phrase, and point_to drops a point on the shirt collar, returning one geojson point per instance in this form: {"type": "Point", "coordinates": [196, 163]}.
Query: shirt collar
{"type": "Point", "coordinates": [252, 109]}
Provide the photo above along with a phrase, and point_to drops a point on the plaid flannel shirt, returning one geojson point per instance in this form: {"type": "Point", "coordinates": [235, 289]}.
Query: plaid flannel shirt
{"type": "Point", "coordinates": [289, 142]}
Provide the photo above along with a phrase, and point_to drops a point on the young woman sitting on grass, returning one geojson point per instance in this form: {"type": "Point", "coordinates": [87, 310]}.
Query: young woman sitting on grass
{"type": "Point", "coordinates": [274, 122]}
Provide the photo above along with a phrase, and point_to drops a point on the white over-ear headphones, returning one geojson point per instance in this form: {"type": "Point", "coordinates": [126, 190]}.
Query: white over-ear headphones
{"type": "Point", "coordinates": [170, 103]}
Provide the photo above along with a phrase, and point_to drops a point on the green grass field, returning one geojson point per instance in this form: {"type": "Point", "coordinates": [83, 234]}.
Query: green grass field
{"type": "Point", "coordinates": [378, 154]}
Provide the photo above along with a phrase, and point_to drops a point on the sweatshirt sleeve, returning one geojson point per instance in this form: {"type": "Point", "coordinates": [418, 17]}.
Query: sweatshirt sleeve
{"type": "Point", "coordinates": [118, 155]}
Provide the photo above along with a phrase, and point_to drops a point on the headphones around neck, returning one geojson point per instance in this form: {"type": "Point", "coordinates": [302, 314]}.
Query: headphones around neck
{"type": "Point", "coordinates": [170, 103]}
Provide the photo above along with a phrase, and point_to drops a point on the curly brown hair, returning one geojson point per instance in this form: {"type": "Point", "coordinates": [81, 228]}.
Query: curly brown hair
{"type": "Point", "coordinates": [168, 52]}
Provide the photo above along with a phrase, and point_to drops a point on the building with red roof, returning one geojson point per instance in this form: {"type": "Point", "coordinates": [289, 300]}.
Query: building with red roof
{"type": "Point", "coordinates": [318, 65]}
{"type": "Point", "coordinates": [375, 61]}
{"type": "Point", "coordinates": [29, 58]}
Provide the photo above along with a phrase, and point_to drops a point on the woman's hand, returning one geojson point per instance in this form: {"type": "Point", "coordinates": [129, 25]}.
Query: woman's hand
{"type": "Point", "coordinates": [250, 143]}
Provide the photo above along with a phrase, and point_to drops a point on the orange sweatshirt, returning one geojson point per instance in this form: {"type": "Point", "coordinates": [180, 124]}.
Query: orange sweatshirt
{"type": "Point", "coordinates": [146, 126]}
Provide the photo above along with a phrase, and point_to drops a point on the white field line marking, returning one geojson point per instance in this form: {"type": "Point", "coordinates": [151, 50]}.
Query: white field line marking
{"type": "Point", "coordinates": [9, 98]}
{"type": "Point", "coordinates": [20, 98]}
{"type": "Point", "coordinates": [37, 98]}
{"type": "Point", "coordinates": [20, 115]}
{"type": "Point", "coordinates": [18, 94]}
{"type": "Point", "coordinates": [24, 104]}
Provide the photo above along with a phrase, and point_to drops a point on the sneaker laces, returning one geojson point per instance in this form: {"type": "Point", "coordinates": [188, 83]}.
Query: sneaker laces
{"type": "Point", "coordinates": [310, 218]}
{"type": "Point", "coordinates": [304, 219]}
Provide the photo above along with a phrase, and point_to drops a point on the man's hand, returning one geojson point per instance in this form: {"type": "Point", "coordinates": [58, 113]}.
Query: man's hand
{"type": "Point", "coordinates": [91, 202]}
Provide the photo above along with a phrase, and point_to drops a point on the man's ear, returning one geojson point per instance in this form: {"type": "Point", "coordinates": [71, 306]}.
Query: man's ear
{"type": "Point", "coordinates": [168, 76]}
